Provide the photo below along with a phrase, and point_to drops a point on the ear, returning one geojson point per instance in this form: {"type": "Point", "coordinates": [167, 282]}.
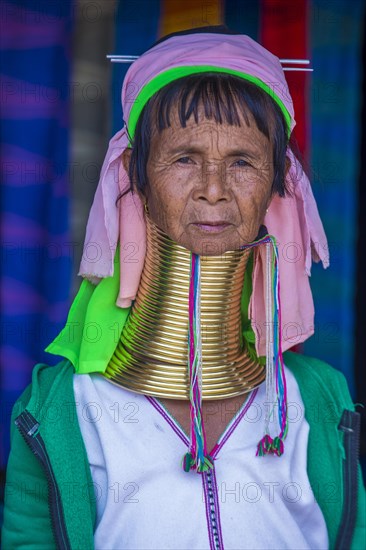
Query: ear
{"type": "Point", "coordinates": [287, 166]}
{"type": "Point", "coordinates": [126, 158]}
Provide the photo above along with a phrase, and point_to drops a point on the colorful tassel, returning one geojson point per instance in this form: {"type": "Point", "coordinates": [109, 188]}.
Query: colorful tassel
{"type": "Point", "coordinates": [197, 457]}
{"type": "Point", "coordinates": [276, 390]}
{"type": "Point", "coordinates": [265, 445]}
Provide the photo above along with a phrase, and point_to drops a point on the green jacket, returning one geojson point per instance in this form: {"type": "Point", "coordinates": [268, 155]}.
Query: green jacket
{"type": "Point", "coordinates": [49, 500]}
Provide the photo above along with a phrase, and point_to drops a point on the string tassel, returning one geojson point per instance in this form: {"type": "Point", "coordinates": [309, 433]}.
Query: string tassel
{"type": "Point", "coordinates": [276, 391]}
{"type": "Point", "coordinates": [197, 457]}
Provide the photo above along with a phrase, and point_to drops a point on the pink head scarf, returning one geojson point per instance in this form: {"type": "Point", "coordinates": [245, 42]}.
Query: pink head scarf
{"type": "Point", "coordinates": [294, 221]}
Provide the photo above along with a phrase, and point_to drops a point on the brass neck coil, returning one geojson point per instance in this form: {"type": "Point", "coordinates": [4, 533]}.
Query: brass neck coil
{"type": "Point", "coordinates": [152, 353]}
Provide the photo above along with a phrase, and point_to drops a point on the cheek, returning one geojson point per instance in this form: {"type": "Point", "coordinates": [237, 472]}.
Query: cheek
{"type": "Point", "coordinates": [254, 196]}
{"type": "Point", "coordinates": [252, 201]}
{"type": "Point", "coordinates": [251, 214]}
{"type": "Point", "coordinates": [167, 198]}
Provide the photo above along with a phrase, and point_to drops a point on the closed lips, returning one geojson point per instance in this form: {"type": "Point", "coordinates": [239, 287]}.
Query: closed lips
{"type": "Point", "coordinates": [220, 222]}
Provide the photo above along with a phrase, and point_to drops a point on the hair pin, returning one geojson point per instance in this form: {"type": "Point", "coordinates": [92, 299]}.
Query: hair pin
{"type": "Point", "coordinates": [296, 61]}
{"type": "Point", "coordinates": [131, 58]}
{"type": "Point", "coordinates": [122, 58]}
{"type": "Point", "coordinates": [297, 69]}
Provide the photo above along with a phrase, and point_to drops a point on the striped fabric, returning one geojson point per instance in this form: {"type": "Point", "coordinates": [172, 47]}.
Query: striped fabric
{"type": "Point", "coordinates": [327, 130]}
{"type": "Point", "coordinates": [336, 31]}
{"type": "Point", "coordinates": [36, 257]}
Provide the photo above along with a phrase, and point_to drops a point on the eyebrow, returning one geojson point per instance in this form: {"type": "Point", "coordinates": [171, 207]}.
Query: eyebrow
{"type": "Point", "coordinates": [193, 150]}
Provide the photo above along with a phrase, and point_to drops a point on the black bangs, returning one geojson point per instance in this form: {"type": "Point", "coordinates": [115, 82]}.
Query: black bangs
{"type": "Point", "coordinates": [225, 98]}
{"type": "Point", "coordinates": [214, 95]}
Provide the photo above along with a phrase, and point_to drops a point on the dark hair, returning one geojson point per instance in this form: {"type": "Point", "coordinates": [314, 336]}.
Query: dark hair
{"type": "Point", "coordinates": [212, 29]}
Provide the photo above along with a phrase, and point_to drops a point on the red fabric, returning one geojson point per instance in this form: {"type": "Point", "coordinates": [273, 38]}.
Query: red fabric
{"type": "Point", "coordinates": [284, 32]}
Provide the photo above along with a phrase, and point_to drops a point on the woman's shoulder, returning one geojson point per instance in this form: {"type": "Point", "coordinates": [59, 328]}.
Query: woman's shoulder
{"type": "Point", "coordinates": [318, 380]}
{"type": "Point", "coordinates": [47, 381]}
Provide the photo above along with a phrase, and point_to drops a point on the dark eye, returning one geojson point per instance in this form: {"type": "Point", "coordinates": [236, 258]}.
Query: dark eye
{"type": "Point", "coordinates": [184, 160]}
{"type": "Point", "coordinates": [241, 163]}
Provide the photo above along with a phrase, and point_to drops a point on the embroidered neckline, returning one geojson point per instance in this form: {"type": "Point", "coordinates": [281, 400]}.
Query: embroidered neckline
{"type": "Point", "coordinates": [230, 428]}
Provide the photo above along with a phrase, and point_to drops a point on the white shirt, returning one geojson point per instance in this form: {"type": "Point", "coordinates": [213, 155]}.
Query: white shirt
{"type": "Point", "coordinates": [146, 501]}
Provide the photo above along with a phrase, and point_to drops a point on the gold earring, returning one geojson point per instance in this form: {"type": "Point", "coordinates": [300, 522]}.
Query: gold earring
{"type": "Point", "coordinates": [146, 208]}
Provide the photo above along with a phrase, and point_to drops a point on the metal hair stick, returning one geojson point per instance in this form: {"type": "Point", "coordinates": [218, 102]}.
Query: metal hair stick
{"type": "Point", "coordinates": [131, 58]}
{"type": "Point", "coordinates": [296, 61]}
{"type": "Point", "coordinates": [297, 69]}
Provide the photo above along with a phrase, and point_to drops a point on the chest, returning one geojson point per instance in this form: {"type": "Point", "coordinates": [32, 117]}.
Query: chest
{"type": "Point", "coordinates": [145, 500]}
{"type": "Point", "coordinates": [216, 414]}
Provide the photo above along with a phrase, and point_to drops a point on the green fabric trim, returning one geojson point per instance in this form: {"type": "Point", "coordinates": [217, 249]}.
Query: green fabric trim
{"type": "Point", "coordinates": [95, 323]}
{"type": "Point", "coordinates": [164, 78]}
{"type": "Point", "coordinates": [50, 399]}
{"type": "Point", "coordinates": [93, 326]}
{"type": "Point", "coordinates": [68, 342]}
{"type": "Point", "coordinates": [325, 395]}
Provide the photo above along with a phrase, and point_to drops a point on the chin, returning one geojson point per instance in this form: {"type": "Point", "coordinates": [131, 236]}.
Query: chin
{"type": "Point", "coordinates": [210, 247]}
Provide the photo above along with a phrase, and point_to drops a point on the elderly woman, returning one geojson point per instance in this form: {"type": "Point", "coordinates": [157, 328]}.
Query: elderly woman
{"type": "Point", "coordinates": [175, 420]}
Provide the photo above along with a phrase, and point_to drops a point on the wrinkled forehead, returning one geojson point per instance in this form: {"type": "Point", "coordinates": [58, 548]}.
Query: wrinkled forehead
{"type": "Point", "coordinates": [210, 141]}
{"type": "Point", "coordinates": [209, 138]}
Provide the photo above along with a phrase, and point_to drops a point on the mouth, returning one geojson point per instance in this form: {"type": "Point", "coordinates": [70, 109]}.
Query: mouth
{"type": "Point", "coordinates": [212, 227]}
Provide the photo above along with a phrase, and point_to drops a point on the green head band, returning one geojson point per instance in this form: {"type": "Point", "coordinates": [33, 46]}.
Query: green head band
{"type": "Point", "coordinates": [162, 79]}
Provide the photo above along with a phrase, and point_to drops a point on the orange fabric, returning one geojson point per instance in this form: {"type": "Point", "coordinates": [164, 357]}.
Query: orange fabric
{"type": "Point", "coordinates": [177, 15]}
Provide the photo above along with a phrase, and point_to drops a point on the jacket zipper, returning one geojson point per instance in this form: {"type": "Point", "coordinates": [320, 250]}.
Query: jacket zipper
{"type": "Point", "coordinates": [350, 426]}
{"type": "Point", "coordinates": [28, 426]}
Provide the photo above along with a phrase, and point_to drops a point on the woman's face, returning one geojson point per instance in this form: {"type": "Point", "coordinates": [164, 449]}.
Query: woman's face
{"type": "Point", "coordinates": [209, 183]}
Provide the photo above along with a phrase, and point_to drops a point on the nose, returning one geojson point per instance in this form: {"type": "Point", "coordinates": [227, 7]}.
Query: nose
{"type": "Point", "coordinates": [212, 186]}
